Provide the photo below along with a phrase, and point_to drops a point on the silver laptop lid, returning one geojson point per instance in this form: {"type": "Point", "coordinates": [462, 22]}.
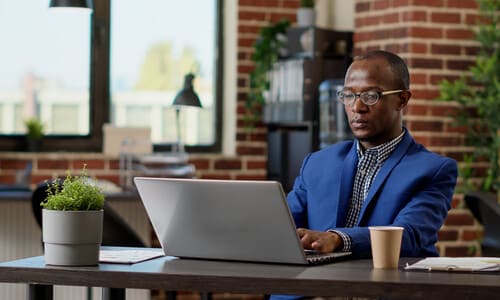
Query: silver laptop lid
{"type": "Point", "coordinates": [221, 219]}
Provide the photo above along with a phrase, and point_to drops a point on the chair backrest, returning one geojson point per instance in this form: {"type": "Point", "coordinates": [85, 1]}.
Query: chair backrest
{"type": "Point", "coordinates": [116, 232]}
{"type": "Point", "coordinates": [486, 210]}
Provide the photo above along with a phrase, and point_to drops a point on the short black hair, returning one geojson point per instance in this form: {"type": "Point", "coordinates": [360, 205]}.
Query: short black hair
{"type": "Point", "coordinates": [396, 63]}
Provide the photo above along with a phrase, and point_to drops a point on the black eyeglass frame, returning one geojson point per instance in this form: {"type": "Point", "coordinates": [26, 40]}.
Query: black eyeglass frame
{"type": "Point", "coordinates": [364, 96]}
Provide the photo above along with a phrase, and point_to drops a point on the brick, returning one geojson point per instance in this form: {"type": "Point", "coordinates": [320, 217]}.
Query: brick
{"type": "Point", "coordinates": [446, 141]}
{"type": "Point", "coordinates": [260, 3]}
{"type": "Point", "coordinates": [418, 48]}
{"type": "Point", "coordinates": [275, 18]}
{"type": "Point", "coordinates": [453, 18]}
{"type": "Point", "coordinates": [418, 78]}
{"type": "Point", "coordinates": [249, 29]}
{"type": "Point", "coordinates": [425, 63]}
{"type": "Point", "coordinates": [459, 64]}
{"type": "Point", "coordinates": [215, 176]}
{"type": "Point", "coordinates": [424, 94]}
{"type": "Point", "coordinates": [416, 109]}
{"type": "Point", "coordinates": [462, 4]}
{"type": "Point", "coordinates": [437, 79]}
{"type": "Point", "coordinates": [368, 21]}
{"type": "Point", "coordinates": [381, 4]}
{"type": "Point", "coordinates": [248, 150]}
{"type": "Point", "coordinates": [448, 235]}
{"type": "Point", "coordinates": [459, 34]}
{"type": "Point", "coordinates": [424, 32]}
{"type": "Point", "coordinates": [362, 6]}
{"type": "Point", "coordinates": [53, 164]}
{"type": "Point", "coordinates": [390, 18]}
{"type": "Point", "coordinates": [471, 235]}
{"type": "Point", "coordinates": [94, 164]}
{"type": "Point", "coordinates": [459, 219]}
{"type": "Point", "coordinates": [445, 111]}
{"type": "Point", "coordinates": [414, 16]}
{"type": "Point", "coordinates": [256, 164]}
{"type": "Point", "coordinates": [7, 178]}
{"type": "Point", "coordinates": [246, 42]}
{"type": "Point", "coordinates": [400, 3]}
{"type": "Point", "coordinates": [435, 126]}
{"type": "Point", "coordinates": [459, 251]}
{"type": "Point", "coordinates": [13, 164]}
{"type": "Point", "coordinates": [200, 164]}
{"type": "Point", "coordinates": [251, 15]}
{"type": "Point", "coordinates": [432, 3]}
{"type": "Point", "coordinates": [227, 164]}
{"type": "Point", "coordinates": [445, 49]}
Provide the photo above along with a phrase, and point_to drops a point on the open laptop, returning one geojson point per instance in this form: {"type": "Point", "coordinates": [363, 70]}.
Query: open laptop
{"type": "Point", "coordinates": [225, 220]}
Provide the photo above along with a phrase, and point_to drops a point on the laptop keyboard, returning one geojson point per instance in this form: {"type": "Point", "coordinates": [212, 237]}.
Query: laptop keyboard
{"type": "Point", "coordinates": [315, 258]}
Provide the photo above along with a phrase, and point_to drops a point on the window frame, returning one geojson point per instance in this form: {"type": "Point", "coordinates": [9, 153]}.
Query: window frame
{"type": "Point", "coordinates": [99, 93]}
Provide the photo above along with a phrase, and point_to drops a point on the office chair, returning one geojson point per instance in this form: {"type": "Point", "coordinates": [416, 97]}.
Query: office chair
{"type": "Point", "coordinates": [486, 210]}
{"type": "Point", "coordinates": [116, 232]}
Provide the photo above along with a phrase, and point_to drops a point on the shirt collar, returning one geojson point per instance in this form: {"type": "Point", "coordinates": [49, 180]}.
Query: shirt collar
{"type": "Point", "coordinates": [382, 151]}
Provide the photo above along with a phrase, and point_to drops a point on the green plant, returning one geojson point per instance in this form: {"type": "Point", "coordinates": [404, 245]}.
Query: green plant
{"type": "Point", "coordinates": [307, 3]}
{"type": "Point", "coordinates": [478, 95]}
{"type": "Point", "coordinates": [266, 53]}
{"type": "Point", "coordinates": [74, 193]}
{"type": "Point", "coordinates": [34, 129]}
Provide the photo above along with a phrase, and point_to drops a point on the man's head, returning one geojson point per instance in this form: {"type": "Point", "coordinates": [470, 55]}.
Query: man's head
{"type": "Point", "coordinates": [376, 75]}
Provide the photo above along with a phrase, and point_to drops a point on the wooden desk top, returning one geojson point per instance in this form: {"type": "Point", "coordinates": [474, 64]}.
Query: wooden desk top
{"type": "Point", "coordinates": [347, 278]}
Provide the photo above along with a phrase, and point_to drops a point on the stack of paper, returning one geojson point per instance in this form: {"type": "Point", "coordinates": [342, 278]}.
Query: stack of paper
{"type": "Point", "coordinates": [457, 264]}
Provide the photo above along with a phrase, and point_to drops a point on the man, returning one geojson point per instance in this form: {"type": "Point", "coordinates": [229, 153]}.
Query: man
{"type": "Point", "coordinates": [383, 177]}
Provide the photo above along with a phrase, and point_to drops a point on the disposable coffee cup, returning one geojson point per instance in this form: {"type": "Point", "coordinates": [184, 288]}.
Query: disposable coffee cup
{"type": "Point", "coordinates": [386, 246]}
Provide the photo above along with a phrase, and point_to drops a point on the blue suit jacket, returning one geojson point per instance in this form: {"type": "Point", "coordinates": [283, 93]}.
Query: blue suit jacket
{"type": "Point", "coordinates": [413, 189]}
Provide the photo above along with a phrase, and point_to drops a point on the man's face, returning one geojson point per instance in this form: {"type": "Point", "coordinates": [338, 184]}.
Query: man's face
{"type": "Point", "coordinates": [375, 124]}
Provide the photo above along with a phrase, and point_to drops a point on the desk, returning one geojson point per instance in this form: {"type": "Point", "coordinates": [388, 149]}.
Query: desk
{"type": "Point", "coordinates": [347, 278]}
{"type": "Point", "coordinates": [20, 236]}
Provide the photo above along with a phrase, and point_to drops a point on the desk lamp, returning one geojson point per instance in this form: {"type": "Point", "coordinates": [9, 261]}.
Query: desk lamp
{"type": "Point", "coordinates": [71, 3]}
{"type": "Point", "coordinates": [186, 97]}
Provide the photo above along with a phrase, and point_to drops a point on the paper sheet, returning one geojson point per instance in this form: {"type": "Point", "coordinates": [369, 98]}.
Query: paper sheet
{"type": "Point", "coordinates": [128, 256]}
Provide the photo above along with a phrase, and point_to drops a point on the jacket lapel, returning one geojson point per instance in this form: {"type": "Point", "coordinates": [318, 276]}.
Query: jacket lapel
{"type": "Point", "coordinates": [386, 169]}
{"type": "Point", "coordinates": [346, 182]}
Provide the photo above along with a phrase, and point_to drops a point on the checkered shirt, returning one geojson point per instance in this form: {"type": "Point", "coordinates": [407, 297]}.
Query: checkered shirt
{"type": "Point", "coordinates": [369, 163]}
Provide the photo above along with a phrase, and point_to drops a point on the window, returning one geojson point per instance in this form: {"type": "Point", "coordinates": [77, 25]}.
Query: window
{"type": "Point", "coordinates": [122, 64]}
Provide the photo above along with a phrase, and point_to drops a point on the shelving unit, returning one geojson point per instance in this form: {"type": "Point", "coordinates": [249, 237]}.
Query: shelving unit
{"type": "Point", "coordinates": [295, 108]}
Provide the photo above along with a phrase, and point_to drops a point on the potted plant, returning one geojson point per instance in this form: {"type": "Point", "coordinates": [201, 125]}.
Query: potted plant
{"type": "Point", "coordinates": [478, 96]}
{"type": "Point", "coordinates": [34, 133]}
{"type": "Point", "coordinates": [267, 50]}
{"type": "Point", "coordinates": [72, 218]}
{"type": "Point", "coordinates": [306, 16]}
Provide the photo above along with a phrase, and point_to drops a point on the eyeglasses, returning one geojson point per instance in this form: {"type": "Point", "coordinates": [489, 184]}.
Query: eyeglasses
{"type": "Point", "coordinates": [368, 98]}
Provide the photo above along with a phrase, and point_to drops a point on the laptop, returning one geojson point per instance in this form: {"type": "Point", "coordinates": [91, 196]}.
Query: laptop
{"type": "Point", "coordinates": [224, 220]}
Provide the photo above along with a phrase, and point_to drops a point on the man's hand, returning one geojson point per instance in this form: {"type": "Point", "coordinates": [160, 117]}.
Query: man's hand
{"type": "Point", "coordinates": [321, 241]}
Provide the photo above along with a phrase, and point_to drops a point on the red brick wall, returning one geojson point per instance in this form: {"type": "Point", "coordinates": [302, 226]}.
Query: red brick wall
{"type": "Point", "coordinates": [433, 36]}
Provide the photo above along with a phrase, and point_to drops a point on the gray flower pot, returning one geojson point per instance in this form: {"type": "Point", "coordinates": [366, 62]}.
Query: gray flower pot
{"type": "Point", "coordinates": [72, 238]}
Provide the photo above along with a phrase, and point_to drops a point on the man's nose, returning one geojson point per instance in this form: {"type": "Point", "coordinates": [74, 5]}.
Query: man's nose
{"type": "Point", "coordinates": [358, 105]}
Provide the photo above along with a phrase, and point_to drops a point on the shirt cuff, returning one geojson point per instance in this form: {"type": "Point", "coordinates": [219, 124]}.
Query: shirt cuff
{"type": "Point", "coordinates": [345, 238]}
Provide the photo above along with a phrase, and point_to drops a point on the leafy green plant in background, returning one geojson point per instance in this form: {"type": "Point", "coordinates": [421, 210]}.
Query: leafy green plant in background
{"type": "Point", "coordinates": [307, 3]}
{"type": "Point", "coordinates": [479, 97]}
{"type": "Point", "coordinates": [266, 53]}
{"type": "Point", "coordinates": [34, 129]}
{"type": "Point", "coordinates": [74, 193]}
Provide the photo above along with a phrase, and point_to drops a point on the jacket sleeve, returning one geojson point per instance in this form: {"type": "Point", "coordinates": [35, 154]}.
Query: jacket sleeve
{"type": "Point", "coordinates": [422, 216]}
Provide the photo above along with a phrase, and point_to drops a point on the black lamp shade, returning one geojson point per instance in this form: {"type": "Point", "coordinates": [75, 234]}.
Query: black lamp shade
{"type": "Point", "coordinates": [71, 3]}
{"type": "Point", "coordinates": [187, 96]}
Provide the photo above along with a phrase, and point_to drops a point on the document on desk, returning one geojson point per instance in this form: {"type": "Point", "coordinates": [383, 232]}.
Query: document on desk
{"type": "Point", "coordinates": [128, 256]}
{"type": "Point", "coordinates": [457, 264]}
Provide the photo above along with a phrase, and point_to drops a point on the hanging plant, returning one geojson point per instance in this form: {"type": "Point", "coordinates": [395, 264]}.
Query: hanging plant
{"type": "Point", "coordinates": [266, 52]}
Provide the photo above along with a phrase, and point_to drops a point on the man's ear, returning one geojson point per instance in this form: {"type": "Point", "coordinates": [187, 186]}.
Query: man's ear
{"type": "Point", "coordinates": [404, 97]}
